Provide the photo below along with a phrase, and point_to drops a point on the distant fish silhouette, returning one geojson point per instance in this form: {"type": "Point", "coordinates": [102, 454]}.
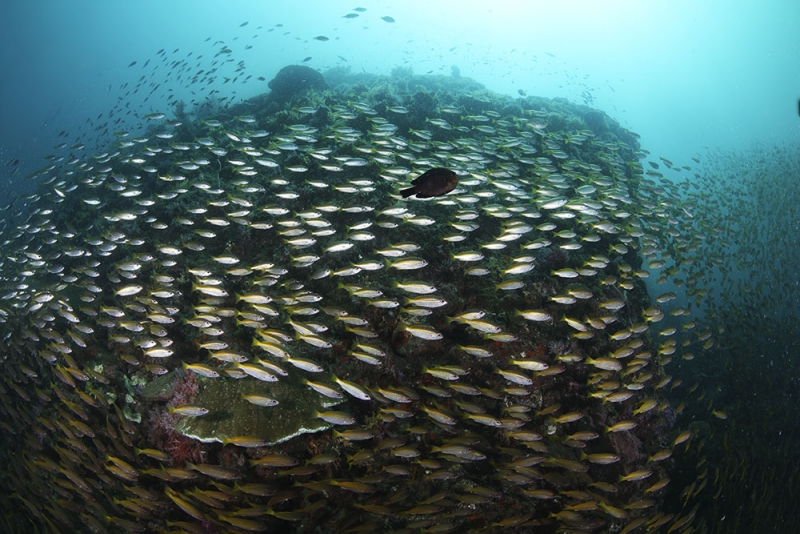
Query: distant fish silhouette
{"type": "Point", "coordinates": [435, 182]}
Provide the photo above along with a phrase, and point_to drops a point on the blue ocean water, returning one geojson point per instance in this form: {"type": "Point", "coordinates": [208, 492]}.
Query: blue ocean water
{"type": "Point", "coordinates": [686, 76]}
{"type": "Point", "coordinates": [709, 89]}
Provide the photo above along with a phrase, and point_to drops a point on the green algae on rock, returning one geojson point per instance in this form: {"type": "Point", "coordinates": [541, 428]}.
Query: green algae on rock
{"type": "Point", "coordinates": [232, 416]}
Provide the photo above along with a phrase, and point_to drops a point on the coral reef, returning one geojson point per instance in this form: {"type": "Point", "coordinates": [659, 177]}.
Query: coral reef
{"type": "Point", "coordinates": [443, 358]}
{"type": "Point", "coordinates": [161, 425]}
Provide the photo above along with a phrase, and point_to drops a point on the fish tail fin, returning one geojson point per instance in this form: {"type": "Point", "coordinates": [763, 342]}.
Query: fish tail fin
{"type": "Point", "coordinates": [405, 193]}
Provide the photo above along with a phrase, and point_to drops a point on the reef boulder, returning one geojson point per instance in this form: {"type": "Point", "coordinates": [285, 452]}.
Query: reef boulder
{"type": "Point", "coordinates": [294, 79]}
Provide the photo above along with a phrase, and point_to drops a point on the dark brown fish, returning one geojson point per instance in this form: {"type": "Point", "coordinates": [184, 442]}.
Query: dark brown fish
{"type": "Point", "coordinates": [435, 182]}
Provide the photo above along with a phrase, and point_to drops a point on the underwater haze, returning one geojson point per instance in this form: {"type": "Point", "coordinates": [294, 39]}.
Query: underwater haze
{"type": "Point", "coordinates": [686, 76]}
{"type": "Point", "coordinates": [399, 266]}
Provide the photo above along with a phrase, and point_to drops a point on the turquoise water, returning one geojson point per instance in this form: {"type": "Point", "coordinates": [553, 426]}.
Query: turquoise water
{"type": "Point", "coordinates": [686, 77]}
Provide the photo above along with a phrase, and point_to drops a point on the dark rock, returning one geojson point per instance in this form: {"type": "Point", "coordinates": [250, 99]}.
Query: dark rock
{"type": "Point", "coordinates": [424, 103]}
{"type": "Point", "coordinates": [295, 79]}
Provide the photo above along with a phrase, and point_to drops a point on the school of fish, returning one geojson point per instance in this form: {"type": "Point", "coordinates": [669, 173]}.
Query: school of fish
{"type": "Point", "coordinates": [485, 360]}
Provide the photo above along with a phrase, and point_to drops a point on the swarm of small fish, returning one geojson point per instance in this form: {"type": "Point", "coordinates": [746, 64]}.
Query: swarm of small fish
{"type": "Point", "coordinates": [479, 360]}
